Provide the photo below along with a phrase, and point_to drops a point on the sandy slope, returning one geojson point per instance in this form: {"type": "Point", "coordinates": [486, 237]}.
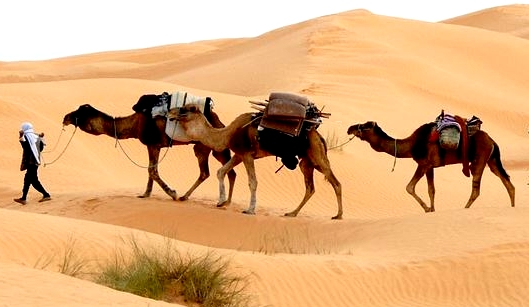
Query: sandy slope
{"type": "Point", "coordinates": [360, 66]}
{"type": "Point", "coordinates": [510, 19]}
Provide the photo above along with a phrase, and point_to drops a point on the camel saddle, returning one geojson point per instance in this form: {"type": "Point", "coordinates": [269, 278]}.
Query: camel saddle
{"type": "Point", "coordinates": [453, 132]}
{"type": "Point", "coordinates": [285, 112]}
{"type": "Point", "coordinates": [162, 105]}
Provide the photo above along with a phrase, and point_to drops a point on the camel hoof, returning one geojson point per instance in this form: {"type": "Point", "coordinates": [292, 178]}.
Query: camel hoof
{"type": "Point", "coordinates": [183, 198]}
{"type": "Point", "coordinates": [248, 212]}
{"type": "Point", "coordinates": [338, 217]}
{"type": "Point", "coordinates": [173, 195]}
{"type": "Point", "coordinates": [223, 204]}
{"type": "Point", "coordinates": [144, 196]}
{"type": "Point", "coordinates": [291, 214]}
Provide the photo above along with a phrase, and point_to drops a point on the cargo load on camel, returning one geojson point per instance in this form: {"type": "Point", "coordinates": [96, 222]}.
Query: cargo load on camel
{"type": "Point", "coordinates": [285, 120]}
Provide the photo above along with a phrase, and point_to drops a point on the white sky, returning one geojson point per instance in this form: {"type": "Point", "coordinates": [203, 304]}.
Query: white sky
{"type": "Point", "coordinates": [44, 29]}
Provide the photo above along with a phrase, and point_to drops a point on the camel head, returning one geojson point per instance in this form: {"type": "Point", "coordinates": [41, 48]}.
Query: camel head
{"type": "Point", "coordinates": [186, 114]}
{"type": "Point", "coordinates": [191, 119]}
{"type": "Point", "coordinates": [87, 118]}
{"type": "Point", "coordinates": [82, 113]}
{"type": "Point", "coordinates": [362, 130]}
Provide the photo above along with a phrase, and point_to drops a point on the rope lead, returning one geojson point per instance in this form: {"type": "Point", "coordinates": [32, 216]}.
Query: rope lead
{"type": "Point", "coordinates": [67, 144]}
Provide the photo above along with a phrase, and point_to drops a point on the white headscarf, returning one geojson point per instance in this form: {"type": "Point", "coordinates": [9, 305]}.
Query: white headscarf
{"type": "Point", "coordinates": [31, 137]}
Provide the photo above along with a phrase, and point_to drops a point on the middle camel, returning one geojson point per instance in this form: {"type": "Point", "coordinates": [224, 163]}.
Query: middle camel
{"type": "Point", "coordinates": [241, 136]}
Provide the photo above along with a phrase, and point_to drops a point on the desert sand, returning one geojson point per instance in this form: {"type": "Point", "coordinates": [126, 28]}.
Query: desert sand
{"type": "Point", "coordinates": [357, 65]}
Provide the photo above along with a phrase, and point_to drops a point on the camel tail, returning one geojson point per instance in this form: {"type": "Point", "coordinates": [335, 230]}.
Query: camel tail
{"type": "Point", "coordinates": [496, 156]}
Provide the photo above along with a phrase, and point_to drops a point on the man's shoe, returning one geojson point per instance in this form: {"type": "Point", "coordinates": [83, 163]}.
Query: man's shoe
{"type": "Point", "coordinates": [45, 198]}
{"type": "Point", "coordinates": [21, 201]}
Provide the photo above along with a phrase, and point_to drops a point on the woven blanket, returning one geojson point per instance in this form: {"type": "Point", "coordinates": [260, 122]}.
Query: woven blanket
{"type": "Point", "coordinates": [447, 120]}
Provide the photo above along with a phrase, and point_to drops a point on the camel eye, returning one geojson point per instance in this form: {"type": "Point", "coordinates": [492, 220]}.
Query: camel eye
{"type": "Point", "coordinates": [367, 126]}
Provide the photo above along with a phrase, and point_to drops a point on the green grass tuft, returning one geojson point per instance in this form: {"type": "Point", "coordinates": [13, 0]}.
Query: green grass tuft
{"type": "Point", "coordinates": [167, 275]}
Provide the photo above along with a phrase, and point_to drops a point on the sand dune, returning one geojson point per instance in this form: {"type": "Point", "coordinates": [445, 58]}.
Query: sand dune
{"type": "Point", "coordinates": [510, 19]}
{"type": "Point", "coordinates": [359, 66]}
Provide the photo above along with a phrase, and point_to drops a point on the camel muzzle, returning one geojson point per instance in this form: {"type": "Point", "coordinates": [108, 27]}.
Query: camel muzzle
{"type": "Point", "coordinates": [355, 130]}
{"type": "Point", "coordinates": [175, 114]}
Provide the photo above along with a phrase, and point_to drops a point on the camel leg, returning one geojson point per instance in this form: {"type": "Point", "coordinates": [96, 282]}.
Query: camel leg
{"type": "Point", "coordinates": [223, 157]}
{"type": "Point", "coordinates": [221, 173]}
{"type": "Point", "coordinates": [308, 173]}
{"type": "Point", "coordinates": [148, 190]}
{"type": "Point", "coordinates": [316, 158]}
{"type": "Point", "coordinates": [431, 188]}
{"type": "Point", "coordinates": [153, 156]}
{"type": "Point", "coordinates": [202, 154]}
{"type": "Point", "coordinates": [495, 168]}
{"type": "Point", "coordinates": [337, 190]}
{"type": "Point", "coordinates": [154, 153]}
{"type": "Point", "coordinates": [249, 164]}
{"type": "Point", "coordinates": [410, 188]}
{"type": "Point", "coordinates": [476, 168]}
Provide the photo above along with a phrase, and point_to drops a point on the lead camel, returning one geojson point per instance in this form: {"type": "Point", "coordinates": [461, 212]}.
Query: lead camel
{"type": "Point", "coordinates": [151, 133]}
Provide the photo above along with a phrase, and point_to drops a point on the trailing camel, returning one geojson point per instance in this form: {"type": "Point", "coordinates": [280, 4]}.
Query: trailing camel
{"type": "Point", "coordinates": [241, 137]}
{"type": "Point", "coordinates": [151, 132]}
{"type": "Point", "coordinates": [482, 151]}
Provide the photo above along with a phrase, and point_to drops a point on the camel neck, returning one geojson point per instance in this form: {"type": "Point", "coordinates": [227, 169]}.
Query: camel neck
{"type": "Point", "coordinates": [400, 148]}
{"type": "Point", "coordinates": [122, 127]}
{"type": "Point", "coordinates": [219, 138]}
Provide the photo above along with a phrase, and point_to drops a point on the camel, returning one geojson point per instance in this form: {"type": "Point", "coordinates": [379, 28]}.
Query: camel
{"type": "Point", "coordinates": [482, 151]}
{"type": "Point", "coordinates": [241, 137]}
{"type": "Point", "coordinates": [151, 132]}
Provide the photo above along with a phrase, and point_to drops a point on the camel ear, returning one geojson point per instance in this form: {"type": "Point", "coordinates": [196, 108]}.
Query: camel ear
{"type": "Point", "coordinates": [370, 125]}
{"type": "Point", "coordinates": [194, 109]}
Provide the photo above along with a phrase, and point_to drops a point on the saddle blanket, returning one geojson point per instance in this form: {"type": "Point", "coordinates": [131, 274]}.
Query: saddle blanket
{"type": "Point", "coordinates": [178, 99]}
{"type": "Point", "coordinates": [447, 120]}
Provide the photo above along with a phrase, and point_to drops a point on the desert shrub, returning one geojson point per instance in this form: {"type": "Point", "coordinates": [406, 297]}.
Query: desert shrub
{"type": "Point", "coordinates": [333, 141]}
{"type": "Point", "coordinates": [167, 275]}
{"type": "Point", "coordinates": [71, 262]}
